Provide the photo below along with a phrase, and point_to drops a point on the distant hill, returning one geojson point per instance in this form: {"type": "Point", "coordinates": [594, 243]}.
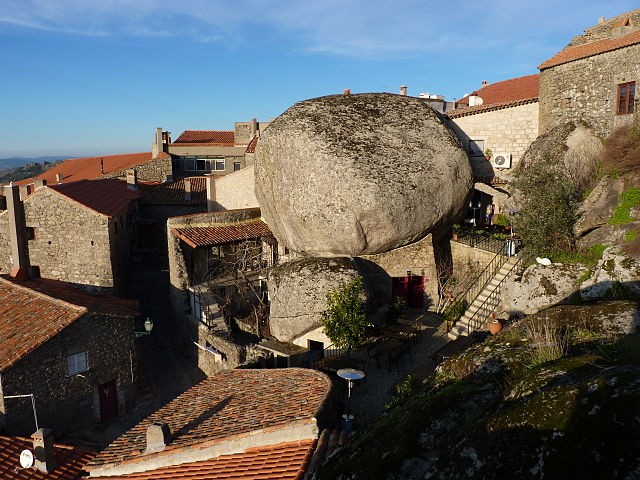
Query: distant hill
{"type": "Point", "coordinates": [17, 168]}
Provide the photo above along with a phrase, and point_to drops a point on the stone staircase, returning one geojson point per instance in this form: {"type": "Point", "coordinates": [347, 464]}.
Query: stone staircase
{"type": "Point", "coordinates": [476, 315]}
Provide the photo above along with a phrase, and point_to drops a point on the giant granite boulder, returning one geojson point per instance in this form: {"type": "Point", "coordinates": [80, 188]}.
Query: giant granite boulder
{"type": "Point", "coordinates": [540, 287]}
{"type": "Point", "coordinates": [298, 292]}
{"type": "Point", "coordinates": [348, 175]}
{"type": "Point", "coordinates": [616, 275]}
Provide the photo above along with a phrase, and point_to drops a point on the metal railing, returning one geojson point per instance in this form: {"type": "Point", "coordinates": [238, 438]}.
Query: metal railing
{"type": "Point", "coordinates": [478, 319]}
{"type": "Point", "coordinates": [483, 240]}
{"type": "Point", "coordinates": [466, 298]}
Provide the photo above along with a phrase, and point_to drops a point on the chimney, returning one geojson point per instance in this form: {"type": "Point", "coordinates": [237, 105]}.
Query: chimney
{"type": "Point", "coordinates": [158, 437]}
{"type": "Point", "coordinates": [346, 91]}
{"type": "Point", "coordinates": [43, 450]}
{"type": "Point", "coordinates": [132, 179]}
{"type": "Point", "coordinates": [166, 140]}
{"type": "Point", "coordinates": [156, 146]}
{"type": "Point", "coordinates": [101, 166]}
{"type": "Point", "coordinates": [484, 83]}
{"type": "Point", "coordinates": [601, 20]}
{"type": "Point", "coordinates": [403, 90]}
{"type": "Point", "coordinates": [187, 189]}
{"type": "Point", "coordinates": [38, 184]}
{"type": "Point", "coordinates": [59, 177]}
{"type": "Point", "coordinates": [254, 128]}
{"type": "Point", "coordinates": [17, 233]}
{"type": "Point", "coordinates": [211, 192]}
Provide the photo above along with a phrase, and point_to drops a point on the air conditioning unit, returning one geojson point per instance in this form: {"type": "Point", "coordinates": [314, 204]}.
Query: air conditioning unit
{"type": "Point", "coordinates": [501, 160]}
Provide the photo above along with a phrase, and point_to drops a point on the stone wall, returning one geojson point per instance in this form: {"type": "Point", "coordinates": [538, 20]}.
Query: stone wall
{"type": "Point", "coordinates": [236, 190]}
{"type": "Point", "coordinates": [469, 259]}
{"type": "Point", "coordinates": [71, 242]}
{"type": "Point", "coordinates": [508, 130]}
{"type": "Point", "coordinates": [5, 246]}
{"type": "Point", "coordinates": [155, 236]}
{"type": "Point", "coordinates": [155, 170]}
{"type": "Point", "coordinates": [417, 257]}
{"type": "Point", "coordinates": [66, 402]}
{"type": "Point", "coordinates": [586, 90]}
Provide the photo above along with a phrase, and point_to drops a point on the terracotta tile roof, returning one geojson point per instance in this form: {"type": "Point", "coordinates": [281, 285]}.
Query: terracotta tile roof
{"type": "Point", "coordinates": [70, 461]}
{"type": "Point", "coordinates": [105, 303]}
{"type": "Point", "coordinates": [173, 193]}
{"type": "Point", "coordinates": [251, 148]}
{"type": "Point", "coordinates": [586, 50]}
{"type": "Point", "coordinates": [28, 319]}
{"type": "Point", "coordinates": [108, 197]}
{"type": "Point", "coordinates": [215, 235]}
{"type": "Point", "coordinates": [287, 461]}
{"type": "Point", "coordinates": [89, 168]}
{"type": "Point", "coordinates": [220, 138]}
{"type": "Point", "coordinates": [463, 112]}
{"type": "Point", "coordinates": [229, 405]}
{"type": "Point", "coordinates": [511, 90]}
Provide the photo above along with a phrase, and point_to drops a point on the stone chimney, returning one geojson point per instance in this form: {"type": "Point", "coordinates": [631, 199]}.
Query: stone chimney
{"type": "Point", "coordinates": [254, 128]}
{"type": "Point", "coordinates": [601, 19]}
{"type": "Point", "coordinates": [132, 179]}
{"type": "Point", "coordinates": [158, 437]}
{"type": "Point", "coordinates": [187, 189]}
{"type": "Point", "coordinates": [166, 140]}
{"type": "Point", "coordinates": [347, 91]}
{"type": "Point", "coordinates": [38, 184]}
{"type": "Point", "coordinates": [43, 450]}
{"type": "Point", "coordinates": [484, 83]}
{"type": "Point", "coordinates": [211, 192]}
{"type": "Point", "coordinates": [59, 177]}
{"type": "Point", "coordinates": [156, 146]}
{"type": "Point", "coordinates": [403, 90]}
{"type": "Point", "coordinates": [17, 233]}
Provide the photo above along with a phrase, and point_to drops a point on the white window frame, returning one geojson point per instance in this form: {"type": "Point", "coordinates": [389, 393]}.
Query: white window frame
{"type": "Point", "coordinates": [77, 363]}
{"type": "Point", "coordinates": [476, 148]}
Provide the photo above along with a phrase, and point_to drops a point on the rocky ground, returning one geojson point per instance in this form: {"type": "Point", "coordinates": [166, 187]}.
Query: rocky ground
{"type": "Point", "coordinates": [554, 396]}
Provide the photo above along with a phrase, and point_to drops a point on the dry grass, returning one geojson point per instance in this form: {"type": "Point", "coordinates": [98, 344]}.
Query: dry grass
{"type": "Point", "coordinates": [549, 341]}
{"type": "Point", "coordinates": [621, 153]}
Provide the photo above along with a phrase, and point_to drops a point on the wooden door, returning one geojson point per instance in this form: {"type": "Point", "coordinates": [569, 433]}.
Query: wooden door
{"type": "Point", "coordinates": [108, 394]}
{"type": "Point", "coordinates": [416, 291]}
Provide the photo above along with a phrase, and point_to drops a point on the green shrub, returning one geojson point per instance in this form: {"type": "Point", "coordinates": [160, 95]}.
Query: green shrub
{"type": "Point", "coordinates": [397, 308]}
{"type": "Point", "coordinates": [345, 320]}
{"type": "Point", "coordinates": [501, 220]}
{"type": "Point", "coordinates": [631, 235]}
{"type": "Point", "coordinates": [589, 256]}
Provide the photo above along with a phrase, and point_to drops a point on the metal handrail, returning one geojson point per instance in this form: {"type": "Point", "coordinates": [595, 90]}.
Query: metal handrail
{"type": "Point", "coordinates": [484, 306]}
{"type": "Point", "coordinates": [477, 285]}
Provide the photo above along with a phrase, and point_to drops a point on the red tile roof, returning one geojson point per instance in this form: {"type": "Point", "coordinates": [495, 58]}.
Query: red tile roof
{"type": "Point", "coordinates": [108, 197]}
{"type": "Point", "coordinates": [251, 148]}
{"type": "Point", "coordinates": [215, 235]}
{"type": "Point", "coordinates": [511, 90]}
{"type": "Point", "coordinates": [220, 138]}
{"type": "Point", "coordinates": [463, 112]}
{"type": "Point", "coordinates": [70, 461]}
{"type": "Point", "coordinates": [89, 168]}
{"type": "Point", "coordinates": [586, 50]}
{"type": "Point", "coordinates": [105, 303]}
{"type": "Point", "coordinates": [286, 461]}
{"type": "Point", "coordinates": [28, 319]}
{"type": "Point", "coordinates": [174, 194]}
{"type": "Point", "coordinates": [230, 405]}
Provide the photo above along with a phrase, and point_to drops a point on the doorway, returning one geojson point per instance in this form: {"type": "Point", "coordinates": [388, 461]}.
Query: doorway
{"type": "Point", "coordinates": [108, 394]}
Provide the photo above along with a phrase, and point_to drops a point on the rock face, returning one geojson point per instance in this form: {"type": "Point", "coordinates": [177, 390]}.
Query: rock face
{"type": "Point", "coordinates": [298, 292]}
{"type": "Point", "coordinates": [541, 287]}
{"type": "Point", "coordinates": [616, 274]}
{"type": "Point", "coordinates": [596, 209]}
{"type": "Point", "coordinates": [359, 174]}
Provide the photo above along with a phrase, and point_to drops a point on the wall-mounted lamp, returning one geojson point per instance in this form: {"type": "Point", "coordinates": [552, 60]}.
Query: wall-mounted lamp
{"type": "Point", "coordinates": [148, 326]}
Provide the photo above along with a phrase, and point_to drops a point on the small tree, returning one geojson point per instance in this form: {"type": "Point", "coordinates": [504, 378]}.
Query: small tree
{"type": "Point", "coordinates": [345, 320]}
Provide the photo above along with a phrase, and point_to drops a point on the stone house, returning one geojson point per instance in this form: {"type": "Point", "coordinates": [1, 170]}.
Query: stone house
{"type": "Point", "coordinates": [217, 266]}
{"type": "Point", "coordinates": [265, 422]}
{"type": "Point", "coordinates": [593, 79]}
{"type": "Point", "coordinates": [197, 152]}
{"type": "Point", "coordinates": [72, 351]}
{"type": "Point", "coordinates": [77, 232]}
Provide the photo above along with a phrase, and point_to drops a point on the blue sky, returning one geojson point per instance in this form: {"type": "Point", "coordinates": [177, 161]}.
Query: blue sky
{"type": "Point", "coordinates": [89, 77]}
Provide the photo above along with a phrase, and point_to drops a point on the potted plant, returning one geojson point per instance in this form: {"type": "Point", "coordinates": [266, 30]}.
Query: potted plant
{"type": "Point", "coordinates": [488, 154]}
{"type": "Point", "coordinates": [456, 231]}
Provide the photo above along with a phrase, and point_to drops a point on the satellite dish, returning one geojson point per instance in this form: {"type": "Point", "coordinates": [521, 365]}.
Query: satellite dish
{"type": "Point", "coordinates": [26, 459]}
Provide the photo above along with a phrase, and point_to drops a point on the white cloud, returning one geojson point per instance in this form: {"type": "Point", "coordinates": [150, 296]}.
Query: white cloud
{"type": "Point", "coordinates": [358, 28]}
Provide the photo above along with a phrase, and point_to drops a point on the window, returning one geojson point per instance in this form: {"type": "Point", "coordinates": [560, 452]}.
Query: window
{"type": "Point", "coordinates": [626, 95]}
{"type": "Point", "coordinates": [219, 164]}
{"type": "Point", "coordinates": [476, 148]}
{"type": "Point", "coordinates": [236, 166]}
{"type": "Point", "coordinates": [77, 363]}
{"type": "Point", "coordinates": [31, 233]}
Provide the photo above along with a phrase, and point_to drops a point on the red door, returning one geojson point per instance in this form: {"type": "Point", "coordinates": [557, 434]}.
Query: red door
{"type": "Point", "coordinates": [416, 291]}
{"type": "Point", "coordinates": [108, 394]}
{"type": "Point", "coordinates": [400, 287]}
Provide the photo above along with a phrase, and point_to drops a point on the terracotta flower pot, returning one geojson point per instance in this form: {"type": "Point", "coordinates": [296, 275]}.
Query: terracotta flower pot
{"type": "Point", "coordinates": [494, 326]}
